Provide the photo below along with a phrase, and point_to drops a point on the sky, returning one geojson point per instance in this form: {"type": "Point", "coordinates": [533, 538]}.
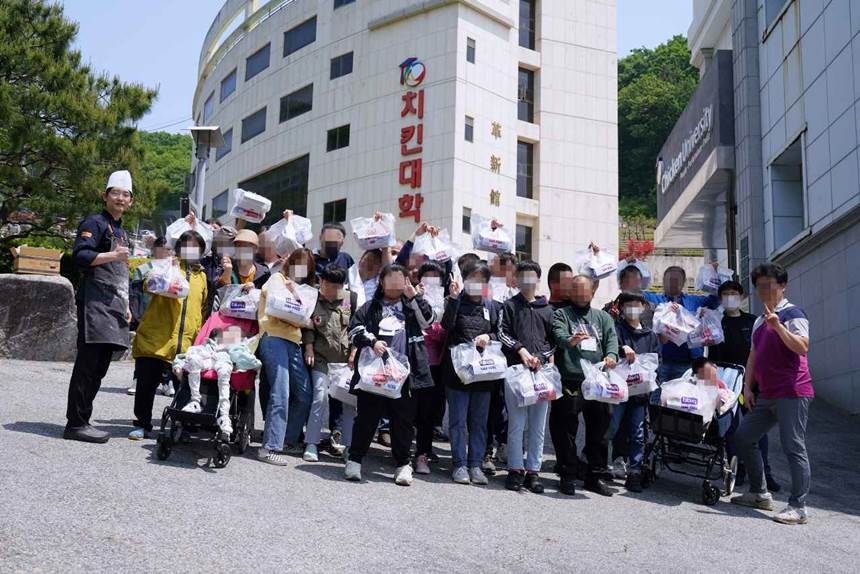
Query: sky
{"type": "Point", "coordinates": [157, 43]}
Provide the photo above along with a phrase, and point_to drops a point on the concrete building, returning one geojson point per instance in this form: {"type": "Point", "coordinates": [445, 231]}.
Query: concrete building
{"type": "Point", "coordinates": [339, 108]}
{"type": "Point", "coordinates": [771, 174]}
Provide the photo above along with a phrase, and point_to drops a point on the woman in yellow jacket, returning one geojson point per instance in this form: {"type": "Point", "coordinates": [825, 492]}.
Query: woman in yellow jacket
{"type": "Point", "coordinates": [168, 327]}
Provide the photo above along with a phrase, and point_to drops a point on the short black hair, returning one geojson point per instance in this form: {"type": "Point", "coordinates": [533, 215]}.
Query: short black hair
{"type": "Point", "coordinates": [528, 265]}
{"type": "Point", "coordinates": [700, 362]}
{"type": "Point", "coordinates": [630, 297]}
{"type": "Point", "coordinates": [627, 271]}
{"type": "Point", "coordinates": [190, 235]}
{"type": "Point", "coordinates": [480, 268]}
{"type": "Point", "coordinates": [333, 225]}
{"type": "Point", "coordinates": [730, 286]}
{"type": "Point", "coordinates": [556, 270]}
{"type": "Point", "coordinates": [467, 259]}
{"type": "Point", "coordinates": [507, 257]}
{"type": "Point", "coordinates": [160, 241]}
{"type": "Point", "coordinates": [333, 274]}
{"type": "Point", "coordinates": [676, 268]}
{"type": "Point", "coordinates": [430, 267]}
{"type": "Point", "coordinates": [771, 270]}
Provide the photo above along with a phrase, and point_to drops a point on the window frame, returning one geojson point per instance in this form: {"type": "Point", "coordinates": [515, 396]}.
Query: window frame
{"type": "Point", "coordinates": [471, 50]}
{"type": "Point", "coordinates": [338, 61]}
{"type": "Point", "coordinates": [530, 176]}
{"type": "Point", "coordinates": [221, 95]}
{"type": "Point", "coordinates": [245, 138]}
{"type": "Point", "coordinates": [294, 29]}
{"type": "Point", "coordinates": [268, 49]}
{"type": "Point", "coordinates": [469, 129]}
{"type": "Point", "coordinates": [285, 100]}
{"type": "Point", "coordinates": [227, 147]}
{"type": "Point", "coordinates": [338, 135]}
{"type": "Point", "coordinates": [334, 206]}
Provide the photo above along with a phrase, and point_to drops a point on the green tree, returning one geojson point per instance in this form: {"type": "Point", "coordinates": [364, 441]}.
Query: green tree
{"type": "Point", "coordinates": [166, 162]}
{"type": "Point", "coordinates": [63, 128]}
{"type": "Point", "coordinates": [654, 86]}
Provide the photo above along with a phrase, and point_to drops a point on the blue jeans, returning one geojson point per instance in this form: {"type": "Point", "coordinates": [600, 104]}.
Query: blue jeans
{"type": "Point", "coordinates": [630, 417]}
{"type": "Point", "coordinates": [470, 408]}
{"type": "Point", "coordinates": [535, 415]}
{"type": "Point", "coordinates": [290, 399]}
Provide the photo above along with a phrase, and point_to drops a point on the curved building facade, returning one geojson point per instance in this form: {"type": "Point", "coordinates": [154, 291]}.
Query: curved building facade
{"type": "Point", "coordinates": [432, 110]}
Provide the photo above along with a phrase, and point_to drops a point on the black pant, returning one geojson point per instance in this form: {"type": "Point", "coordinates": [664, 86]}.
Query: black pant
{"type": "Point", "coordinates": [497, 428]}
{"type": "Point", "coordinates": [264, 391]}
{"type": "Point", "coordinates": [563, 424]}
{"type": "Point", "coordinates": [91, 365]}
{"type": "Point", "coordinates": [370, 409]}
{"type": "Point", "coordinates": [149, 374]}
{"type": "Point", "coordinates": [441, 403]}
{"type": "Point", "coordinates": [426, 407]}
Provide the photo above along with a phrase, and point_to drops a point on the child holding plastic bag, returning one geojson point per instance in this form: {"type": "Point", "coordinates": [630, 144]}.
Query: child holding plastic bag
{"type": "Point", "coordinates": [627, 427]}
{"type": "Point", "coordinates": [394, 319]}
{"type": "Point", "coordinates": [525, 330]}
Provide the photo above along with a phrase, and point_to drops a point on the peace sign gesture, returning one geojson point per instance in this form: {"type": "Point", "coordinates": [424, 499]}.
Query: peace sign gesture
{"type": "Point", "coordinates": [771, 318]}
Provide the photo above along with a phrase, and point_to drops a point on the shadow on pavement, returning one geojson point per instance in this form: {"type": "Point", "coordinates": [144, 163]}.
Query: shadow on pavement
{"type": "Point", "coordinates": [53, 430]}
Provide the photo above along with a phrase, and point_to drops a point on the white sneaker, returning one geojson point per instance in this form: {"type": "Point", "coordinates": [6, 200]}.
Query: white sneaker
{"type": "Point", "coordinates": [192, 407]}
{"type": "Point", "coordinates": [791, 515]}
{"type": "Point", "coordinates": [311, 454]}
{"type": "Point", "coordinates": [460, 475]}
{"type": "Point", "coordinates": [421, 465]}
{"type": "Point", "coordinates": [170, 392]}
{"type": "Point", "coordinates": [225, 425]}
{"type": "Point", "coordinates": [352, 471]}
{"type": "Point", "coordinates": [271, 457]}
{"type": "Point", "coordinates": [477, 476]}
{"type": "Point", "coordinates": [754, 500]}
{"type": "Point", "coordinates": [403, 475]}
{"type": "Point", "coordinates": [131, 390]}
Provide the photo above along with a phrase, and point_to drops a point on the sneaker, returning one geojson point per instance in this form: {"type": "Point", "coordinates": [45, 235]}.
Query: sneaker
{"type": "Point", "coordinates": [225, 425]}
{"type": "Point", "coordinates": [139, 434]}
{"type": "Point", "coordinates": [192, 407]}
{"type": "Point", "coordinates": [487, 465]}
{"type": "Point", "coordinates": [618, 469]}
{"type": "Point", "coordinates": [533, 483]}
{"type": "Point", "coordinates": [514, 480]}
{"type": "Point", "coordinates": [352, 471]}
{"type": "Point", "coordinates": [86, 433]}
{"type": "Point", "coordinates": [567, 485]}
{"type": "Point", "coordinates": [791, 515]}
{"type": "Point", "coordinates": [502, 453]}
{"type": "Point", "coordinates": [334, 447]}
{"type": "Point", "coordinates": [633, 482]}
{"type": "Point", "coordinates": [294, 449]}
{"type": "Point", "coordinates": [460, 475]}
{"type": "Point", "coordinates": [384, 438]}
{"type": "Point", "coordinates": [311, 454]}
{"type": "Point", "coordinates": [271, 457]}
{"type": "Point", "coordinates": [762, 501]}
{"type": "Point", "coordinates": [166, 389]}
{"type": "Point", "coordinates": [421, 465]}
{"type": "Point", "coordinates": [403, 475]}
{"type": "Point", "coordinates": [597, 486]}
{"type": "Point", "coordinates": [772, 484]}
{"type": "Point", "coordinates": [131, 390]}
{"type": "Point", "coordinates": [477, 476]}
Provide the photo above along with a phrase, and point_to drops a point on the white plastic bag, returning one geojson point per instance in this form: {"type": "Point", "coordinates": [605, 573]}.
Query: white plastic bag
{"type": "Point", "coordinates": [531, 387]}
{"type": "Point", "coordinates": [249, 206]}
{"type": "Point", "coordinates": [602, 386]}
{"type": "Point", "coordinates": [436, 248]}
{"type": "Point", "coordinates": [710, 279]}
{"type": "Point", "coordinates": [283, 305]}
{"type": "Point", "coordinates": [473, 366]}
{"type": "Point", "coordinates": [641, 376]}
{"type": "Point", "coordinates": [485, 238]}
{"type": "Point", "coordinates": [238, 304]}
{"type": "Point", "coordinates": [340, 376]}
{"type": "Point", "coordinates": [371, 233]}
{"type": "Point", "coordinates": [499, 290]}
{"type": "Point", "coordinates": [287, 236]}
{"type": "Point", "coordinates": [686, 394]}
{"type": "Point", "coordinates": [710, 329]}
{"type": "Point", "coordinates": [643, 271]}
{"type": "Point", "coordinates": [597, 265]}
{"type": "Point", "coordinates": [166, 279]}
{"type": "Point", "coordinates": [434, 294]}
{"type": "Point", "coordinates": [674, 322]}
{"type": "Point", "coordinates": [382, 375]}
{"type": "Point", "coordinates": [175, 230]}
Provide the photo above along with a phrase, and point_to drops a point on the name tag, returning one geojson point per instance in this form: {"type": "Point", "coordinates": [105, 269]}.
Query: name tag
{"type": "Point", "coordinates": [486, 314]}
{"type": "Point", "coordinates": [589, 344]}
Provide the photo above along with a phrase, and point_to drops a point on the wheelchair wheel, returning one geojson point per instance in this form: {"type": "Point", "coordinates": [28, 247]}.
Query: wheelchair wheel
{"type": "Point", "coordinates": [222, 455]}
{"type": "Point", "coordinates": [710, 493]}
{"type": "Point", "coordinates": [730, 475]}
{"type": "Point", "coordinates": [243, 435]}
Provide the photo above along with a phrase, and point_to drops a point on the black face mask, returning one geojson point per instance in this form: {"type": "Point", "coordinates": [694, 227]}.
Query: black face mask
{"type": "Point", "coordinates": [331, 249]}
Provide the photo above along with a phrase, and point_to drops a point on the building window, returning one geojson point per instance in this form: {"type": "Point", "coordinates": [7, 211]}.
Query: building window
{"type": "Point", "coordinates": [528, 16]}
{"type": "Point", "coordinates": [524, 242]}
{"type": "Point", "coordinates": [338, 138]}
{"type": "Point", "coordinates": [470, 129]}
{"type": "Point", "coordinates": [341, 66]}
{"type": "Point", "coordinates": [772, 9]}
{"type": "Point", "coordinates": [339, 3]}
{"type": "Point", "coordinates": [257, 62]}
{"type": "Point", "coordinates": [787, 196]}
{"type": "Point", "coordinates": [526, 96]}
{"type": "Point", "coordinates": [220, 204]}
{"type": "Point", "coordinates": [334, 211]}
{"type": "Point", "coordinates": [227, 147]}
{"type": "Point", "coordinates": [254, 125]}
{"type": "Point", "coordinates": [286, 186]}
{"type": "Point", "coordinates": [525, 169]}
{"type": "Point", "coordinates": [470, 50]}
{"type": "Point", "coordinates": [298, 103]}
{"type": "Point", "coordinates": [297, 38]}
{"type": "Point", "coordinates": [467, 220]}
{"type": "Point", "coordinates": [208, 108]}
{"type": "Point", "coordinates": [228, 85]}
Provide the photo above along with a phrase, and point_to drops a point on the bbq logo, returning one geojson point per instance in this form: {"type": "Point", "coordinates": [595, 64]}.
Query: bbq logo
{"type": "Point", "coordinates": [412, 72]}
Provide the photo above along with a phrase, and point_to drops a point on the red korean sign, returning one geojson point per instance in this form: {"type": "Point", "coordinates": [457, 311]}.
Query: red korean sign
{"type": "Point", "coordinates": [412, 74]}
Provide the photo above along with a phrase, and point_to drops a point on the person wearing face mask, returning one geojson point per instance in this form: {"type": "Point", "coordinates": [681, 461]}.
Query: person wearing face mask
{"type": "Point", "coordinates": [581, 332]}
{"type": "Point", "coordinates": [627, 426]}
{"type": "Point", "coordinates": [242, 269]}
{"type": "Point", "coordinates": [394, 319]}
{"type": "Point", "coordinates": [630, 280]}
{"type": "Point", "coordinates": [332, 236]}
{"type": "Point", "coordinates": [735, 349]}
{"type": "Point", "coordinates": [168, 328]}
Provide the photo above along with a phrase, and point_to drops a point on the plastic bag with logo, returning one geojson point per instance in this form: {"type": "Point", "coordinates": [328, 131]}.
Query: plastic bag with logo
{"type": "Point", "coordinates": [641, 375]}
{"type": "Point", "coordinates": [710, 279]}
{"type": "Point", "coordinates": [598, 265]}
{"type": "Point", "coordinates": [485, 238]}
{"type": "Point", "coordinates": [435, 247]}
{"type": "Point", "coordinates": [166, 279]}
{"type": "Point", "coordinates": [474, 366]}
{"type": "Point", "coordinates": [287, 236]}
{"type": "Point", "coordinates": [371, 233]}
{"type": "Point", "coordinates": [710, 329]}
{"type": "Point", "coordinates": [175, 230]}
{"type": "Point", "coordinates": [249, 206]}
{"type": "Point", "coordinates": [296, 309]}
{"type": "Point", "coordinates": [340, 376]}
{"type": "Point", "coordinates": [531, 387]}
{"type": "Point", "coordinates": [601, 385]}
{"type": "Point", "coordinates": [674, 322]}
{"type": "Point", "coordinates": [238, 304]}
{"type": "Point", "coordinates": [383, 375]}
{"type": "Point", "coordinates": [689, 395]}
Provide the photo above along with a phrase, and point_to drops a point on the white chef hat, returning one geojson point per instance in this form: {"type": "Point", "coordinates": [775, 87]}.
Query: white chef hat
{"type": "Point", "coordinates": [120, 179]}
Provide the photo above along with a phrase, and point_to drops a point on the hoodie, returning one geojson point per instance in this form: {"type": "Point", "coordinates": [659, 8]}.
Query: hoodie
{"type": "Point", "coordinates": [642, 340]}
{"type": "Point", "coordinates": [526, 324]}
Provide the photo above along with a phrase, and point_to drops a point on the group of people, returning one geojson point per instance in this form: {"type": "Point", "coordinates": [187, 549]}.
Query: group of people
{"type": "Point", "coordinates": [377, 305]}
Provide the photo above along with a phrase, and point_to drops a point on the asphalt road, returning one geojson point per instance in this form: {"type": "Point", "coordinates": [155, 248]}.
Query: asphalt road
{"type": "Point", "coordinates": [72, 507]}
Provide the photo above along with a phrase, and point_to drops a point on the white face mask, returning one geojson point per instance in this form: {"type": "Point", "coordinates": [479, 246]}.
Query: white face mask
{"type": "Point", "coordinates": [474, 288]}
{"type": "Point", "coordinates": [731, 302]}
{"type": "Point", "coordinates": [633, 312]}
{"type": "Point", "coordinates": [245, 254]}
{"type": "Point", "coordinates": [431, 281]}
{"type": "Point", "coordinates": [298, 271]}
{"type": "Point", "coordinates": [189, 253]}
{"type": "Point", "coordinates": [528, 281]}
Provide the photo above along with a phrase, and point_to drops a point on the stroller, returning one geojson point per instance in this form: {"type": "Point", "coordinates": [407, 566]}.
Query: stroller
{"type": "Point", "coordinates": [684, 443]}
{"type": "Point", "coordinates": [174, 420]}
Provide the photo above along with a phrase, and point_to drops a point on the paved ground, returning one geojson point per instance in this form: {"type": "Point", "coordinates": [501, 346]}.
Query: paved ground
{"type": "Point", "coordinates": [71, 507]}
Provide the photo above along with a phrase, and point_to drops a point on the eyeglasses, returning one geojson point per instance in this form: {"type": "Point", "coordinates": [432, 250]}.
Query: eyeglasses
{"type": "Point", "coordinates": [117, 194]}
